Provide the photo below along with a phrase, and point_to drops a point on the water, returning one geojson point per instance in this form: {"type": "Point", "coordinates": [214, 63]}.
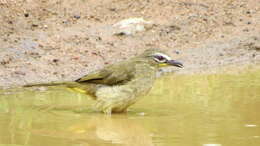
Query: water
{"type": "Point", "coordinates": [181, 110]}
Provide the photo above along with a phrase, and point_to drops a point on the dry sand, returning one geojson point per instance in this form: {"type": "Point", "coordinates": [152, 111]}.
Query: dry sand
{"type": "Point", "coordinates": [54, 40]}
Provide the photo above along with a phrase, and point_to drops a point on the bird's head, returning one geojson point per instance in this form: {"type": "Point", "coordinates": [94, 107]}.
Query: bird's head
{"type": "Point", "coordinates": [160, 59]}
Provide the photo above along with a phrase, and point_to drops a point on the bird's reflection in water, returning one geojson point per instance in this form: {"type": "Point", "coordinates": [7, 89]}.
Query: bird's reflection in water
{"type": "Point", "coordinates": [113, 130]}
{"type": "Point", "coordinates": [32, 127]}
{"type": "Point", "coordinates": [55, 120]}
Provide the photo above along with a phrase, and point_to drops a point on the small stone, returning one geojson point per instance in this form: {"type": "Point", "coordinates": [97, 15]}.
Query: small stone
{"type": "Point", "coordinates": [35, 25]}
{"type": "Point", "coordinates": [246, 30]}
{"type": "Point", "coordinates": [76, 16]}
{"type": "Point", "coordinates": [65, 22]}
{"type": "Point", "coordinates": [99, 38]}
{"type": "Point", "coordinates": [26, 15]}
{"type": "Point", "coordinates": [20, 73]}
{"type": "Point", "coordinates": [10, 22]}
{"type": "Point", "coordinates": [55, 60]}
{"type": "Point", "coordinates": [174, 27]}
{"type": "Point", "coordinates": [131, 26]}
{"type": "Point", "coordinates": [204, 19]}
{"type": "Point", "coordinates": [75, 58]}
{"type": "Point", "coordinates": [112, 9]}
{"type": "Point", "coordinates": [177, 52]}
{"type": "Point", "coordinates": [248, 22]}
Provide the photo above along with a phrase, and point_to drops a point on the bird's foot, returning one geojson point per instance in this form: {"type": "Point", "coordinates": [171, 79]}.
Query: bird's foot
{"type": "Point", "coordinates": [103, 107]}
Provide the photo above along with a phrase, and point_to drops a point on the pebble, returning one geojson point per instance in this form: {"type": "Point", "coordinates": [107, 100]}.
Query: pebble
{"type": "Point", "coordinates": [34, 25]}
{"type": "Point", "coordinates": [76, 16]}
{"type": "Point", "coordinates": [26, 15]}
{"type": "Point", "coordinates": [55, 60]}
{"type": "Point", "coordinates": [177, 52]}
{"type": "Point", "coordinates": [131, 26]}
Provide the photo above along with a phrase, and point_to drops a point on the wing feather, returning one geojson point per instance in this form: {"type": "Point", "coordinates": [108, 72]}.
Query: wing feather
{"type": "Point", "coordinates": [110, 75]}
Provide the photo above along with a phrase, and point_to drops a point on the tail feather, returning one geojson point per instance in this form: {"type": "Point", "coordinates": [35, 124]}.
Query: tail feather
{"type": "Point", "coordinates": [69, 84]}
{"type": "Point", "coordinates": [89, 89]}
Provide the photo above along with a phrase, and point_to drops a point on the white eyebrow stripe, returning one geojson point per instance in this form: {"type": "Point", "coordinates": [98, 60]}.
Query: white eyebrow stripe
{"type": "Point", "coordinates": [157, 60]}
{"type": "Point", "coordinates": [163, 55]}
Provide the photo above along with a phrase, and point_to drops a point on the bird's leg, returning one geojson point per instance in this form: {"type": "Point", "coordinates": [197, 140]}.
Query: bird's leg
{"type": "Point", "coordinates": [108, 111]}
{"type": "Point", "coordinates": [104, 107]}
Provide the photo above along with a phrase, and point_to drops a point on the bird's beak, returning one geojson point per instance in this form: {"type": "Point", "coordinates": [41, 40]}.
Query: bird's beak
{"type": "Point", "coordinates": [174, 63]}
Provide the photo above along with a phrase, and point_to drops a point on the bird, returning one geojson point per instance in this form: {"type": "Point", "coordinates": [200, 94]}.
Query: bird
{"type": "Point", "coordinates": [118, 86]}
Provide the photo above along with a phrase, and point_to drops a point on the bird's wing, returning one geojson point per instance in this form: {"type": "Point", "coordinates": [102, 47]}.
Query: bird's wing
{"type": "Point", "coordinates": [110, 75]}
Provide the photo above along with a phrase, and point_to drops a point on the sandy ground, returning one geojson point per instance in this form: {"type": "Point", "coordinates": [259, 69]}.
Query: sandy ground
{"type": "Point", "coordinates": [50, 40]}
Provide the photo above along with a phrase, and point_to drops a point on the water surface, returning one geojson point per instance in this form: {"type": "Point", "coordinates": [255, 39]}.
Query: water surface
{"type": "Point", "coordinates": [181, 110]}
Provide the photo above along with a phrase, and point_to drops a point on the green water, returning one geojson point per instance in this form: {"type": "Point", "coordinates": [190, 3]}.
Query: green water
{"type": "Point", "coordinates": [181, 110]}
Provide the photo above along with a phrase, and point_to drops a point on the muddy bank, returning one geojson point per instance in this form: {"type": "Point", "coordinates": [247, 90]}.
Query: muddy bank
{"type": "Point", "coordinates": [45, 40]}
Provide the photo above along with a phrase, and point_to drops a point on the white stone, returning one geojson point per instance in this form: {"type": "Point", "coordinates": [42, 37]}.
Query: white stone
{"type": "Point", "coordinates": [131, 26]}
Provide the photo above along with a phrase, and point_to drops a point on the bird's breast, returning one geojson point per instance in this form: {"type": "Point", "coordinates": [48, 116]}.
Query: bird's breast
{"type": "Point", "coordinates": [119, 97]}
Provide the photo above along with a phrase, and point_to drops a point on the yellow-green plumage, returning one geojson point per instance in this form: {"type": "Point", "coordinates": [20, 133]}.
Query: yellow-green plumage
{"type": "Point", "coordinates": [117, 86]}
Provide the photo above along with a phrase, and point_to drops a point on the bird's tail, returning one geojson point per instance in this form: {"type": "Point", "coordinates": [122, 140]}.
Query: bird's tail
{"type": "Point", "coordinates": [89, 89]}
{"type": "Point", "coordinates": [67, 84]}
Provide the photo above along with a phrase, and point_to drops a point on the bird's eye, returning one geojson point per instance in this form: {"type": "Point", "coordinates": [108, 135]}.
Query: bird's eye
{"type": "Point", "coordinates": [160, 58]}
